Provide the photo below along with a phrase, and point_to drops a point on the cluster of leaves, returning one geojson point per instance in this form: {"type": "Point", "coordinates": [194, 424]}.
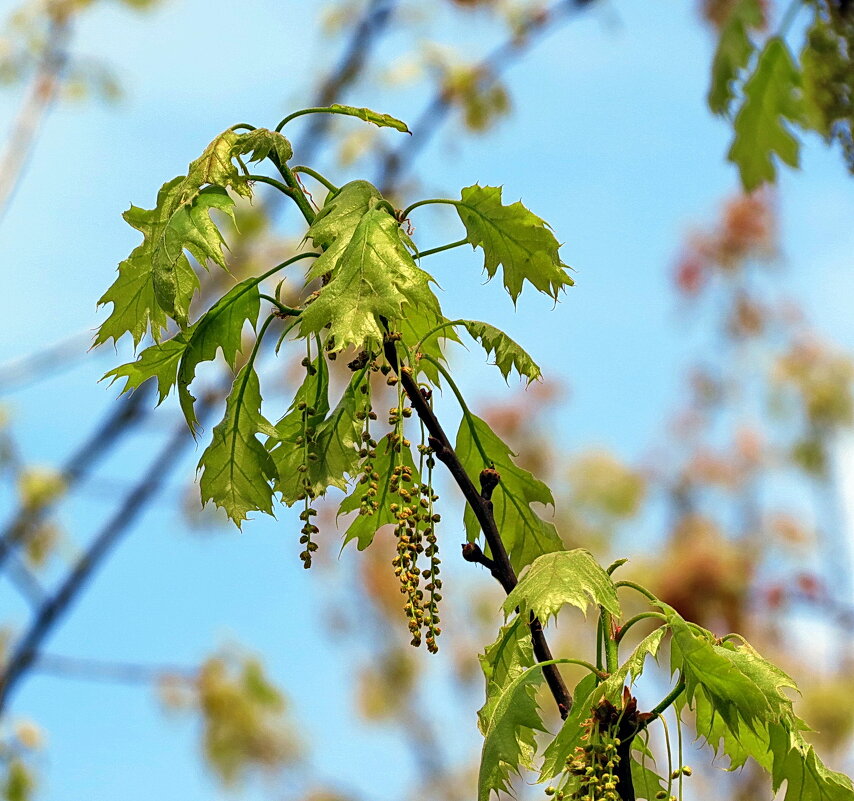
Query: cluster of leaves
{"type": "Point", "coordinates": [365, 294]}
{"type": "Point", "coordinates": [769, 91]}
{"type": "Point", "coordinates": [737, 697]}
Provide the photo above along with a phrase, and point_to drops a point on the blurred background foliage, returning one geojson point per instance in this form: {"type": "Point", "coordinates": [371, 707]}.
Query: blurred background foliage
{"type": "Point", "coordinates": [738, 495]}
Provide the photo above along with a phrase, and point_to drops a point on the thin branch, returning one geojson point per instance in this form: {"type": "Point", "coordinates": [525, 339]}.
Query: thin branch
{"type": "Point", "coordinates": [488, 71]}
{"type": "Point", "coordinates": [71, 667]}
{"type": "Point", "coordinates": [373, 23]}
{"type": "Point", "coordinates": [54, 609]}
{"type": "Point", "coordinates": [481, 505]}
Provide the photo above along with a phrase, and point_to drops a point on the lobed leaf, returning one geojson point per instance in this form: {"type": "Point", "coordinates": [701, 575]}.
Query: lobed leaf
{"type": "Point", "coordinates": [159, 361]}
{"type": "Point", "coordinates": [220, 328]}
{"type": "Point", "coordinates": [526, 535]}
{"type": "Point", "coordinates": [376, 278]}
{"type": "Point", "coordinates": [771, 97]}
{"type": "Point", "coordinates": [259, 143]}
{"type": "Point", "coordinates": [514, 238]}
{"type": "Point", "coordinates": [508, 354]}
{"type": "Point", "coordinates": [735, 47]}
{"type": "Point", "coordinates": [565, 577]}
{"type": "Point", "coordinates": [236, 468]}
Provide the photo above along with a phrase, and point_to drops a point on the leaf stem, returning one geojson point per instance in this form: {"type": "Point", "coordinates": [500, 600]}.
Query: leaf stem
{"type": "Point", "coordinates": [446, 324]}
{"type": "Point", "coordinates": [612, 648]}
{"type": "Point", "coordinates": [244, 125]}
{"type": "Point", "coordinates": [281, 306]}
{"type": "Point", "coordinates": [638, 588]}
{"type": "Point", "coordinates": [431, 251]}
{"type": "Point", "coordinates": [316, 175]}
{"type": "Point", "coordinates": [636, 619]}
{"type": "Point", "coordinates": [444, 201]}
{"type": "Point", "coordinates": [466, 411]}
{"type": "Point", "coordinates": [666, 702]}
{"type": "Point", "coordinates": [287, 263]}
{"type": "Point", "coordinates": [272, 182]}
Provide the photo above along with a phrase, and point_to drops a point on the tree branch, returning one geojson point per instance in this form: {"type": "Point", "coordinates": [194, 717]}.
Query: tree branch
{"type": "Point", "coordinates": [52, 610]}
{"type": "Point", "coordinates": [532, 31]}
{"type": "Point", "coordinates": [481, 505]}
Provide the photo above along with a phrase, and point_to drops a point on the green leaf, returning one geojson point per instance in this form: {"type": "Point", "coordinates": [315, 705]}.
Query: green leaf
{"type": "Point", "coordinates": [515, 238]}
{"type": "Point", "coordinates": [526, 535]}
{"type": "Point", "coordinates": [335, 223]}
{"type": "Point", "coordinates": [381, 120]}
{"type": "Point", "coordinates": [587, 694]}
{"type": "Point", "coordinates": [220, 328]}
{"type": "Point", "coordinates": [156, 281]}
{"type": "Point", "coordinates": [288, 454]}
{"type": "Point", "coordinates": [413, 326]}
{"type": "Point", "coordinates": [508, 354]}
{"type": "Point", "coordinates": [564, 742]}
{"type": "Point", "coordinates": [743, 688]}
{"type": "Point", "coordinates": [364, 527]}
{"type": "Point", "coordinates": [566, 577]}
{"type": "Point", "coordinates": [733, 52]}
{"type": "Point", "coordinates": [647, 783]}
{"type": "Point", "coordinates": [508, 727]}
{"type": "Point", "coordinates": [377, 278]}
{"type": "Point", "coordinates": [159, 361]}
{"type": "Point", "coordinates": [258, 144]}
{"type": "Point", "coordinates": [338, 440]}
{"type": "Point", "coordinates": [771, 97]}
{"type": "Point", "coordinates": [806, 776]}
{"type": "Point", "coordinates": [236, 468]}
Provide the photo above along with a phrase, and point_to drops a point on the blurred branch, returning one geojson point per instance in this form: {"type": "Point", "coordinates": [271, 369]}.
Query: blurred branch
{"type": "Point", "coordinates": [45, 363]}
{"type": "Point", "coordinates": [39, 100]}
{"type": "Point", "coordinates": [70, 667]}
{"type": "Point", "coordinates": [52, 611]}
{"type": "Point", "coordinates": [527, 35]}
{"type": "Point", "coordinates": [368, 29]}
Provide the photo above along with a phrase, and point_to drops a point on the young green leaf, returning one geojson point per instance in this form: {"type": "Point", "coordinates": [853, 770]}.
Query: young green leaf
{"type": "Point", "coordinates": [508, 728]}
{"type": "Point", "coordinates": [806, 776]}
{"type": "Point", "coordinates": [508, 354]}
{"type": "Point", "coordinates": [221, 327]}
{"type": "Point", "coordinates": [733, 52]}
{"type": "Point", "coordinates": [502, 661]}
{"type": "Point", "coordinates": [258, 144]}
{"type": "Point", "coordinates": [377, 278]}
{"type": "Point", "coordinates": [159, 361]}
{"type": "Point", "coordinates": [413, 327]}
{"type": "Point", "coordinates": [236, 468]}
{"type": "Point", "coordinates": [515, 238]}
{"type": "Point", "coordinates": [335, 223]}
{"type": "Point", "coordinates": [380, 120]}
{"type": "Point", "coordinates": [771, 97]}
{"type": "Point", "coordinates": [526, 535]}
{"type": "Point", "coordinates": [288, 453]}
{"type": "Point", "coordinates": [556, 579]}
{"type": "Point", "coordinates": [364, 527]}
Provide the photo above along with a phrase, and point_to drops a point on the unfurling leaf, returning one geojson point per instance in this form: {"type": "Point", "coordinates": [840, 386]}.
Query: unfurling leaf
{"type": "Point", "coordinates": [566, 577]}
{"type": "Point", "coordinates": [733, 52]}
{"type": "Point", "coordinates": [508, 354]}
{"type": "Point", "coordinates": [221, 327]}
{"type": "Point", "coordinates": [381, 120]}
{"type": "Point", "coordinates": [771, 98]}
{"type": "Point", "coordinates": [236, 468]}
{"type": "Point", "coordinates": [526, 535]}
{"type": "Point", "coordinates": [515, 238]}
{"type": "Point", "coordinates": [157, 281]}
{"type": "Point", "coordinates": [258, 144]}
{"type": "Point", "coordinates": [376, 278]}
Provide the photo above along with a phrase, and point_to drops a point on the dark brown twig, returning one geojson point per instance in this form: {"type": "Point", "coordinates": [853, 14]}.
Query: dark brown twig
{"type": "Point", "coordinates": [501, 568]}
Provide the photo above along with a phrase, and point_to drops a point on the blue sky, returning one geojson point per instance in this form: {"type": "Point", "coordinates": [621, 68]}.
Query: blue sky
{"type": "Point", "coordinates": [610, 140]}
